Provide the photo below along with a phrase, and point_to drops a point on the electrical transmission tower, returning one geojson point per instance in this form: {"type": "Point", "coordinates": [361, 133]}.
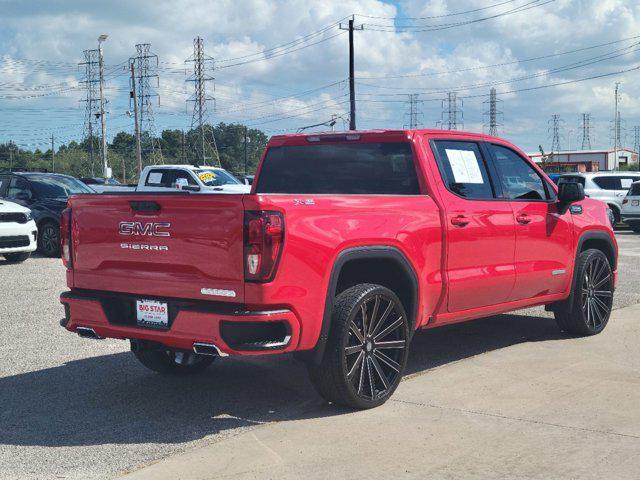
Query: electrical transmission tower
{"type": "Point", "coordinates": [555, 133]}
{"type": "Point", "coordinates": [201, 65]}
{"type": "Point", "coordinates": [586, 131]}
{"type": "Point", "coordinates": [147, 81]}
{"type": "Point", "coordinates": [492, 113]}
{"type": "Point", "coordinates": [91, 81]}
{"type": "Point", "coordinates": [636, 138]}
{"type": "Point", "coordinates": [452, 114]}
{"type": "Point", "coordinates": [414, 114]}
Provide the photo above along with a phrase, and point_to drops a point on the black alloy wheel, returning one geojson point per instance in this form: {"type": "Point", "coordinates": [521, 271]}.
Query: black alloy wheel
{"type": "Point", "coordinates": [49, 239]}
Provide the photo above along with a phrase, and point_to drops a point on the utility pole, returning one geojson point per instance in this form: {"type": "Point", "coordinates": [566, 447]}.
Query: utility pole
{"type": "Point", "coordinates": [134, 99]}
{"type": "Point", "coordinates": [92, 113]}
{"type": "Point", "coordinates": [245, 149]}
{"type": "Point", "coordinates": [586, 129]}
{"type": "Point", "coordinates": [184, 155]}
{"type": "Point", "coordinates": [492, 113]}
{"type": "Point", "coordinates": [103, 120]}
{"type": "Point", "coordinates": [352, 84]}
{"type": "Point", "coordinates": [616, 128]}
{"type": "Point", "coordinates": [451, 114]}
{"type": "Point", "coordinates": [200, 97]}
{"type": "Point", "coordinates": [53, 155]}
{"type": "Point", "coordinates": [11, 156]}
{"type": "Point", "coordinates": [413, 112]}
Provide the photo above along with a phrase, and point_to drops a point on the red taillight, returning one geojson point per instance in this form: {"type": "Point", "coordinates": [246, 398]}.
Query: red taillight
{"type": "Point", "coordinates": [65, 237]}
{"type": "Point", "coordinates": [263, 237]}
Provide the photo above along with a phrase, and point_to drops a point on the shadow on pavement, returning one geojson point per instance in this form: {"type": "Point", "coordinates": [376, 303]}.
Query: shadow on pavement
{"type": "Point", "coordinates": [111, 399]}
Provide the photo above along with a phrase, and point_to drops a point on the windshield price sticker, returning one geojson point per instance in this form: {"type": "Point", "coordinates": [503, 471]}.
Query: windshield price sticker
{"type": "Point", "coordinates": [206, 176]}
{"type": "Point", "coordinates": [465, 166]}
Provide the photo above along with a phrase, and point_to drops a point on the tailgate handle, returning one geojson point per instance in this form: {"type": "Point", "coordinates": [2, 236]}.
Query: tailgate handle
{"type": "Point", "coordinates": [144, 206]}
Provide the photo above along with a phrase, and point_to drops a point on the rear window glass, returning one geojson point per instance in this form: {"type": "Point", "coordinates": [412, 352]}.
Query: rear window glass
{"type": "Point", "coordinates": [570, 179]}
{"type": "Point", "coordinates": [358, 168]}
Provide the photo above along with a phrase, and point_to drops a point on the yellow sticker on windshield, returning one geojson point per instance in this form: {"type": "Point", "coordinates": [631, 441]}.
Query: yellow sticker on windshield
{"type": "Point", "coordinates": [207, 176]}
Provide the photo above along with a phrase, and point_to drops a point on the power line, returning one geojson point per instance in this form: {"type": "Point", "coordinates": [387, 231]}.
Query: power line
{"type": "Point", "coordinates": [466, 12]}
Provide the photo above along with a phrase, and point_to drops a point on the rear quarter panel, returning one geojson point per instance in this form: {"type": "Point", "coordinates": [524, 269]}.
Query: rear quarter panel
{"type": "Point", "coordinates": [316, 233]}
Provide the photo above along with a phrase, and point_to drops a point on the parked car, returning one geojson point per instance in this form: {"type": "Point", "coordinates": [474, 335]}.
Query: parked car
{"type": "Point", "coordinates": [45, 194]}
{"type": "Point", "coordinates": [609, 187]}
{"type": "Point", "coordinates": [18, 232]}
{"type": "Point", "coordinates": [631, 207]}
{"type": "Point", "coordinates": [349, 243]}
{"type": "Point", "coordinates": [193, 178]}
{"type": "Point", "coordinates": [99, 181]}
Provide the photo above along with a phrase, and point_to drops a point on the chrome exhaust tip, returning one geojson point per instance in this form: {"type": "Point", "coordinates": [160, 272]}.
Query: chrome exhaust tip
{"type": "Point", "coordinates": [86, 332]}
{"type": "Point", "coordinates": [208, 349]}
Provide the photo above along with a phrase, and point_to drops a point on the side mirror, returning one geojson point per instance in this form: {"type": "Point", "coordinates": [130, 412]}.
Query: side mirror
{"type": "Point", "coordinates": [570, 192]}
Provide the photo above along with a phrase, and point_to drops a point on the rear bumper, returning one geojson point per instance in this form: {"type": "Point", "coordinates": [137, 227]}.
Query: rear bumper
{"type": "Point", "coordinates": [190, 323]}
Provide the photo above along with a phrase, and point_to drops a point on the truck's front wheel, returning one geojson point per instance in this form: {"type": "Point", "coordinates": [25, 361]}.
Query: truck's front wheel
{"type": "Point", "coordinates": [366, 352]}
{"type": "Point", "coordinates": [171, 362]}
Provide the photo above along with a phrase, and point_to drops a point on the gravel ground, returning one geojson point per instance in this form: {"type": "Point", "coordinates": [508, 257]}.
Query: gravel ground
{"type": "Point", "coordinates": [74, 408]}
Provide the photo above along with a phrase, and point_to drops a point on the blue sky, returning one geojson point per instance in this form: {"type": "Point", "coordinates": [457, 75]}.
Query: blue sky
{"type": "Point", "coordinates": [438, 49]}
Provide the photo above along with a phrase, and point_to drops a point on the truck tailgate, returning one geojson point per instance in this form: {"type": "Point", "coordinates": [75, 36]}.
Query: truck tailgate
{"type": "Point", "coordinates": [173, 245]}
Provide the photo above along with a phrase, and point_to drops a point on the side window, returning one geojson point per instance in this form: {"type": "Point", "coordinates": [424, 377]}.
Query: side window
{"type": "Point", "coordinates": [18, 185]}
{"type": "Point", "coordinates": [625, 182]}
{"type": "Point", "coordinates": [181, 174]}
{"type": "Point", "coordinates": [571, 179]}
{"type": "Point", "coordinates": [4, 184]}
{"type": "Point", "coordinates": [463, 169]}
{"type": "Point", "coordinates": [608, 183]}
{"type": "Point", "coordinates": [520, 181]}
{"type": "Point", "coordinates": [159, 178]}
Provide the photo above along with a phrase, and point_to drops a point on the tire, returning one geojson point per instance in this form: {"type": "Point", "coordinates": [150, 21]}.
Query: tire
{"type": "Point", "coordinates": [17, 257]}
{"type": "Point", "coordinates": [49, 238]}
{"type": "Point", "coordinates": [361, 368]}
{"type": "Point", "coordinates": [616, 217]}
{"type": "Point", "coordinates": [592, 296]}
{"type": "Point", "coordinates": [171, 363]}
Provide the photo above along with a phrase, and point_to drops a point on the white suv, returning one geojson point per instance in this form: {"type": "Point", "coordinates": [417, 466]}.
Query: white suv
{"type": "Point", "coordinates": [610, 187]}
{"type": "Point", "coordinates": [631, 207]}
{"type": "Point", "coordinates": [18, 232]}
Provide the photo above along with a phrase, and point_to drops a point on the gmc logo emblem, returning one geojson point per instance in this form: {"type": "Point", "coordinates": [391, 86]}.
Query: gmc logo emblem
{"type": "Point", "coordinates": [151, 229]}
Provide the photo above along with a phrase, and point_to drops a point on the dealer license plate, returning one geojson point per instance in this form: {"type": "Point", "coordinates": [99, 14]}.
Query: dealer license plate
{"type": "Point", "coordinates": [151, 313]}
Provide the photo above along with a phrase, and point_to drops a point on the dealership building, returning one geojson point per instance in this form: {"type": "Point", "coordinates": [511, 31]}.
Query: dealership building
{"type": "Point", "coordinates": [589, 160]}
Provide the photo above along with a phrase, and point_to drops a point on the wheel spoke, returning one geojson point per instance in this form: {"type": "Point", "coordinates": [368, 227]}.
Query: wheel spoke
{"type": "Point", "coordinates": [382, 319]}
{"type": "Point", "coordinates": [603, 293]}
{"type": "Point", "coordinates": [602, 281]}
{"type": "Point", "coordinates": [602, 305]}
{"type": "Point", "coordinates": [389, 329]}
{"type": "Point", "coordinates": [597, 314]}
{"type": "Point", "coordinates": [380, 373]}
{"type": "Point", "coordinates": [387, 360]}
{"type": "Point", "coordinates": [354, 329]}
{"type": "Point", "coordinates": [353, 349]}
{"type": "Point", "coordinates": [361, 379]}
{"type": "Point", "coordinates": [355, 366]}
{"type": "Point", "coordinates": [365, 321]}
{"type": "Point", "coordinates": [374, 314]}
{"type": "Point", "coordinates": [390, 344]}
{"type": "Point", "coordinates": [370, 377]}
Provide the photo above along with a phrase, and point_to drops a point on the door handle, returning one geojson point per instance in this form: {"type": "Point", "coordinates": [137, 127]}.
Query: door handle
{"type": "Point", "coordinates": [460, 221]}
{"type": "Point", "coordinates": [523, 219]}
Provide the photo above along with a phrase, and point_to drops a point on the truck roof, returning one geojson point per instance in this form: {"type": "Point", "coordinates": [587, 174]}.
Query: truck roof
{"type": "Point", "coordinates": [185, 167]}
{"type": "Point", "coordinates": [372, 135]}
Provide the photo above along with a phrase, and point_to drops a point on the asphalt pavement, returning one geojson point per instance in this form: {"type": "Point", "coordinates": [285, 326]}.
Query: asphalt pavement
{"type": "Point", "coordinates": [75, 408]}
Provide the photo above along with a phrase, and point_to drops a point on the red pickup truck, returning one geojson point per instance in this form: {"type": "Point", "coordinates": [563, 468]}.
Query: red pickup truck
{"type": "Point", "coordinates": [347, 244]}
